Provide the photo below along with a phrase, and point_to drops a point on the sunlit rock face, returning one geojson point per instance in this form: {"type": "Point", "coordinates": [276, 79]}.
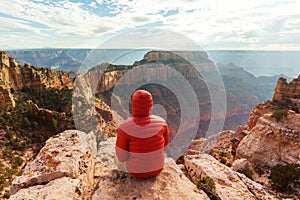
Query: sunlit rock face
{"type": "Point", "coordinates": [272, 142]}
{"type": "Point", "coordinates": [13, 76]}
{"type": "Point", "coordinates": [287, 90]}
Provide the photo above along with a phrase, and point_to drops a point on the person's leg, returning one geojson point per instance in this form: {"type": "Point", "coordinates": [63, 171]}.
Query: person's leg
{"type": "Point", "coordinates": [120, 165]}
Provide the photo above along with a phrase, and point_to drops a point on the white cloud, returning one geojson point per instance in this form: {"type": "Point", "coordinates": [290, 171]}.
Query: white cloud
{"type": "Point", "coordinates": [209, 22]}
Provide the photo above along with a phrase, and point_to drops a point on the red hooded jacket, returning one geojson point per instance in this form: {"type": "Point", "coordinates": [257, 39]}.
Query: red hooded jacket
{"type": "Point", "coordinates": [142, 138]}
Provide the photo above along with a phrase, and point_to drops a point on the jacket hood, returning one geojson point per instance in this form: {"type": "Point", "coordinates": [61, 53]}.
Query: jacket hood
{"type": "Point", "coordinates": [141, 103]}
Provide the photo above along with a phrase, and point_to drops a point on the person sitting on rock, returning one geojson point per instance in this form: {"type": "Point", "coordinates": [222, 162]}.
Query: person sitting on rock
{"type": "Point", "coordinates": [142, 139]}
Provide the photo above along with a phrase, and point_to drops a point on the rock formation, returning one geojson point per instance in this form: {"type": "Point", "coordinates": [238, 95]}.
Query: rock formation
{"type": "Point", "coordinates": [263, 143]}
{"type": "Point", "coordinates": [270, 142]}
{"type": "Point", "coordinates": [6, 98]}
{"type": "Point", "coordinates": [66, 159]}
{"type": "Point", "coordinates": [69, 166]}
{"type": "Point", "coordinates": [287, 90]}
{"type": "Point", "coordinates": [222, 146]}
{"type": "Point", "coordinates": [15, 76]}
{"type": "Point", "coordinates": [229, 184]}
{"type": "Point", "coordinates": [288, 94]}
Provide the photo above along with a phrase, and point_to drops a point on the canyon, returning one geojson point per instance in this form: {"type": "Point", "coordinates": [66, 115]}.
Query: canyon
{"type": "Point", "coordinates": [79, 164]}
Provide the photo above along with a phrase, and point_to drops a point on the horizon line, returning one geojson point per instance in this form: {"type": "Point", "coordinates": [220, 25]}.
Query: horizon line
{"type": "Point", "coordinates": [83, 48]}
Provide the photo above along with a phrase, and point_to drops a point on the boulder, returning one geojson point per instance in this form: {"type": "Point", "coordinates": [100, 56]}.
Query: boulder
{"type": "Point", "coordinates": [59, 189]}
{"type": "Point", "coordinates": [68, 154]}
{"type": "Point", "coordinates": [228, 184]}
{"type": "Point", "coordinates": [69, 167]}
{"type": "Point", "coordinates": [170, 184]}
{"type": "Point", "coordinates": [241, 164]}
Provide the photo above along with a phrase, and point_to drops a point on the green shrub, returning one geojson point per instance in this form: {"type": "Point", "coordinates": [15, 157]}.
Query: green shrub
{"type": "Point", "coordinates": [279, 115]}
{"type": "Point", "coordinates": [207, 184]}
{"type": "Point", "coordinates": [16, 162]}
{"type": "Point", "coordinates": [284, 176]}
{"type": "Point", "coordinates": [54, 124]}
{"type": "Point", "coordinates": [26, 122]}
{"type": "Point", "coordinates": [247, 172]}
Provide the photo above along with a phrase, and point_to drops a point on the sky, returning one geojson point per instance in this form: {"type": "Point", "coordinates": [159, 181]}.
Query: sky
{"type": "Point", "coordinates": [213, 24]}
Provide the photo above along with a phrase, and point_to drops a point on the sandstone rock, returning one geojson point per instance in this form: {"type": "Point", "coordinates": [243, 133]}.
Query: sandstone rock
{"type": "Point", "coordinates": [256, 113]}
{"type": "Point", "coordinates": [59, 189]}
{"type": "Point", "coordinates": [6, 98]}
{"type": "Point", "coordinates": [68, 154]}
{"type": "Point", "coordinates": [66, 168]}
{"type": "Point", "coordinates": [271, 142]}
{"type": "Point", "coordinates": [284, 89]}
{"type": "Point", "coordinates": [16, 76]}
{"type": "Point", "coordinates": [222, 145]}
{"type": "Point", "coordinates": [171, 184]}
{"type": "Point", "coordinates": [255, 188]}
{"type": "Point", "coordinates": [106, 153]}
{"type": "Point", "coordinates": [42, 112]}
{"type": "Point", "coordinates": [241, 164]}
{"type": "Point", "coordinates": [13, 75]}
{"type": "Point", "coordinates": [228, 184]}
{"type": "Point", "coordinates": [113, 184]}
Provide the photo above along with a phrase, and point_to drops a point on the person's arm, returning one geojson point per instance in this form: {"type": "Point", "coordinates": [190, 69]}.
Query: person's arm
{"type": "Point", "coordinates": [122, 146]}
{"type": "Point", "coordinates": [166, 136]}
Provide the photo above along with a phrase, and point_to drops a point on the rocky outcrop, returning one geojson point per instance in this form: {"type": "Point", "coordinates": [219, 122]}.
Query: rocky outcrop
{"type": "Point", "coordinates": [287, 90]}
{"type": "Point", "coordinates": [69, 167]}
{"type": "Point", "coordinates": [222, 146]}
{"type": "Point", "coordinates": [173, 55]}
{"type": "Point", "coordinates": [228, 183]}
{"type": "Point", "coordinates": [16, 76]}
{"type": "Point", "coordinates": [170, 184]}
{"type": "Point", "coordinates": [272, 142]}
{"type": "Point", "coordinates": [269, 143]}
{"type": "Point", "coordinates": [59, 189]}
{"type": "Point", "coordinates": [286, 97]}
{"type": "Point", "coordinates": [6, 98]}
{"type": "Point", "coordinates": [49, 115]}
{"type": "Point", "coordinates": [256, 113]}
{"type": "Point", "coordinates": [69, 154]}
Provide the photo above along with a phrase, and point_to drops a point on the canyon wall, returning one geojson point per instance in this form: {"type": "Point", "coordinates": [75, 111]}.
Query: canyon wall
{"type": "Point", "coordinates": [13, 77]}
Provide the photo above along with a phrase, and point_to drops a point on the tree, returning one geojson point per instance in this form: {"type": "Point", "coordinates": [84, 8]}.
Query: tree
{"type": "Point", "coordinates": [284, 176]}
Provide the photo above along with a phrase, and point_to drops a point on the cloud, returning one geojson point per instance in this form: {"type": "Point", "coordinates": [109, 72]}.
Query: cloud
{"type": "Point", "coordinates": [208, 22]}
{"type": "Point", "coordinates": [15, 26]}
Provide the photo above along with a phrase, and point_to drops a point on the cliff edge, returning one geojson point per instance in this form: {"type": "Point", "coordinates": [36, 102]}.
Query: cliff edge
{"type": "Point", "coordinates": [69, 166]}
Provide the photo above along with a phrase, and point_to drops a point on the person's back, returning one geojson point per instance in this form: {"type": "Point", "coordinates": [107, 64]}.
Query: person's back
{"type": "Point", "coordinates": [142, 138]}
